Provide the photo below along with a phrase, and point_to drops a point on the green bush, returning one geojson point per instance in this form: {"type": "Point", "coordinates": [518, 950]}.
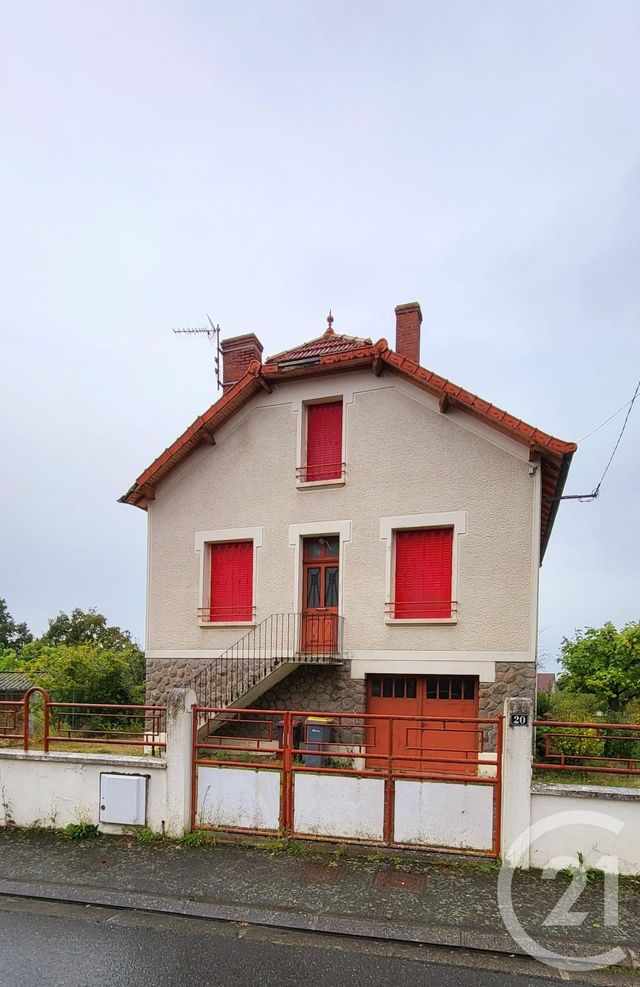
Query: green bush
{"type": "Point", "coordinates": [572, 707]}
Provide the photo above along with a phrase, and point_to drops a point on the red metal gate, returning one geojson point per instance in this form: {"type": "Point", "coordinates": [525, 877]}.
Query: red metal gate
{"type": "Point", "coordinates": [257, 771]}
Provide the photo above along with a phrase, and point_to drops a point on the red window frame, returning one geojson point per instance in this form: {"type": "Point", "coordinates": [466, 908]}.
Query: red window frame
{"type": "Point", "coordinates": [423, 574]}
{"type": "Point", "coordinates": [231, 582]}
{"type": "Point", "coordinates": [324, 441]}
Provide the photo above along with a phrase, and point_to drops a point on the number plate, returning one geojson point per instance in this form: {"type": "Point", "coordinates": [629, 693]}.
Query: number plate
{"type": "Point", "coordinates": [518, 720]}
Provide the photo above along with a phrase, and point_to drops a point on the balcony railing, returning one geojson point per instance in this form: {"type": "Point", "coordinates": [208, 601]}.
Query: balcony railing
{"type": "Point", "coordinates": [421, 609]}
{"type": "Point", "coordinates": [321, 471]}
{"type": "Point", "coordinates": [227, 615]}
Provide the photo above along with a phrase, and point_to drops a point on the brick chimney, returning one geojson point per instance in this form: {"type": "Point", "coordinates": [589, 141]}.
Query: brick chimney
{"type": "Point", "coordinates": [237, 354]}
{"type": "Point", "coordinates": [408, 320]}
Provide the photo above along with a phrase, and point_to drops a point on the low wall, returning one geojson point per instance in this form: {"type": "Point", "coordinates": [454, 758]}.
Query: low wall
{"type": "Point", "coordinates": [587, 820]}
{"type": "Point", "coordinates": [57, 789]}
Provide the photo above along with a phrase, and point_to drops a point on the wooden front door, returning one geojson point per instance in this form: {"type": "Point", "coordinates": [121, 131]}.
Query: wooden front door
{"type": "Point", "coordinates": [321, 567]}
{"type": "Point", "coordinates": [439, 745]}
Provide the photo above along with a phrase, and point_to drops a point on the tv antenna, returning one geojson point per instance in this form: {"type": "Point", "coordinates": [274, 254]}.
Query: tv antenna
{"type": "Point", "coordinates": [213, 335]}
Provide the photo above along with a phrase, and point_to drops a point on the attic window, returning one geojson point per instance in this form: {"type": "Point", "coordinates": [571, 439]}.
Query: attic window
{"type": "Point", "coordinates": [323, 459]}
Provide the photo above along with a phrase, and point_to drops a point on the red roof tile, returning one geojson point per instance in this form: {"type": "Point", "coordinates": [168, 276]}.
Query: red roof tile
{"type": "Point", "coordinates": [333, 352]}
{"type": "Point", "coordinates": [330, 342]}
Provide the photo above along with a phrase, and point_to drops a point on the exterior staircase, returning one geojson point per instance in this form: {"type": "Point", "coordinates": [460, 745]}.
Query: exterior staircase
{"type": "Point", "coordinates": [263, 657]}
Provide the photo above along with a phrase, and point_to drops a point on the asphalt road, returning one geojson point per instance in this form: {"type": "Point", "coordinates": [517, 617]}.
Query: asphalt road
{"type": "Point", "coordinates": [54, 944]}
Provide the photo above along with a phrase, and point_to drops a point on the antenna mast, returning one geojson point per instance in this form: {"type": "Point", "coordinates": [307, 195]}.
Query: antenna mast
{"type": "Point", "coordinates": [213, 335]}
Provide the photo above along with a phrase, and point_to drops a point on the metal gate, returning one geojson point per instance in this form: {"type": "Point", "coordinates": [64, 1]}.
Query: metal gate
{"type": "Point", "coordinates": [354, 777]}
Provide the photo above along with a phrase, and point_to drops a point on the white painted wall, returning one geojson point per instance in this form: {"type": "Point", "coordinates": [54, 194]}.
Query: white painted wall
{"type": "Point", "coordinates": [241, 798]}
{"type": "Point", "coordinates": [56, 789]}
{"type": "Point", "coordinates": [403, 458]}
{"type": "Point", "coordinates": [335, 805]}
{"type": "Point", "coordinates": [596, 822]}
{"type": "Point", "coordinates": [444, 814]}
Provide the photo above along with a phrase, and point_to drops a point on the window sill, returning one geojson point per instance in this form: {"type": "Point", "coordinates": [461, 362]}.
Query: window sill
{"type": "Point", "coordinates": [401, 621]}
{"type": "Point", "coordinates": [226, 623]}
{"type": "Point", "coordinates": [313, 484]}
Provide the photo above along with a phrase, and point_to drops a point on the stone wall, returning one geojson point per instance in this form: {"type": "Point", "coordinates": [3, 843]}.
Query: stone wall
{"type": "Point", "coordinates": [163, 674]}
{"type": "Point", "coordinates": [513, 680]}
{"type": "Point", "coordinates": [317, 687]}
{"type": "Point", "coordinates": [312, 687]}
{"type": "Point", "coordinates": [330, 687]}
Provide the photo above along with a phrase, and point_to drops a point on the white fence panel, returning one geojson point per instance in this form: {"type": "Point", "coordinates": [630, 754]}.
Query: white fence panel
{"type": "Point", "coordinates": [335, 805]}
{"type": "Point", "coordinates": [238, 798]}
{"type": "Point", "coordinates": [444, 814]}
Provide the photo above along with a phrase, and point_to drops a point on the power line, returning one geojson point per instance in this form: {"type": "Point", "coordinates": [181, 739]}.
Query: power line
{"type": "Point", "coordinates": [615, 448]}
{"type": "Point", "coordinates": [606, 421]}
{"type": "Point", "coordinates": [586, 498]}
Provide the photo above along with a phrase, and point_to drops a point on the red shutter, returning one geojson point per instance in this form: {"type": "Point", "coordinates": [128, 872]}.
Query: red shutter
{"type": "Point", "coordinates": [231, 581]}
{"type": "Point", "coordinates": [324, 441]}
{"type": "Point", "coordinates": [423, 573]}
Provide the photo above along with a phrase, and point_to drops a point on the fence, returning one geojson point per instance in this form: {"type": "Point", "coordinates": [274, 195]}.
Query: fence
{"type": "Point", "coordinates": [69, 726]}
{"type": "Point", "coordinates": [589, 747]}
{"type": "Point", "coordinates": [402, 780]}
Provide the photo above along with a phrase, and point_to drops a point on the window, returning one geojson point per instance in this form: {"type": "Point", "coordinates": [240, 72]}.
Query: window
{"type": "Point", "coordinates": [231, 587]}
{"type": "Point", "coordinates": [423, 573]}
{"type": "Point", "coordinates": [324, 442]}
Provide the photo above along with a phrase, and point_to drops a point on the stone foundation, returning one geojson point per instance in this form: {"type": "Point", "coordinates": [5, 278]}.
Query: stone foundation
{"type": "Point", "coordinates": [317, 687]}
{"type": "Point", "coordinates": [514, 680]}
{"type": "Point", "coordinates": [331, 688]}
{"type": "Point", "coordinates": [165, 674]}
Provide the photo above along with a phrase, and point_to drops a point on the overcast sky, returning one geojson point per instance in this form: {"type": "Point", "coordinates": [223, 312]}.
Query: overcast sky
{"type": "Point", "coordinates": [264, 161]}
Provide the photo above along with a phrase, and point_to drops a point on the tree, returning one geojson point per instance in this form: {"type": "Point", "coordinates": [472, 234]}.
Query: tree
{"type": "Point", "coordinates": [603, 662]}
{"type": "Point", "coordinates": [86, 673]}
{"type": "Point", "coordinates": [86, 627]}
{"type": "Point", "coordinates": [13, 636]}
{"type": "Point", "coordinates": [81, 658]}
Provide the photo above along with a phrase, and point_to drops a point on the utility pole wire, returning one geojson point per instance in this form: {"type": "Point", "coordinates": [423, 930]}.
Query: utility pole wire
{"type": "Point", "coordinates": [615, 448]}
{"type": "Point", "coordinates": [606, 421]}
{"type": "Point", "coordinates": [587, 498]}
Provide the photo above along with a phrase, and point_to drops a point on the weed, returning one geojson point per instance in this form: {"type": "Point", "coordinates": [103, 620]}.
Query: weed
{"type": "Point", "coordinates": [195, 838]}
{"type": "Point", "coordinates": [277, 844]}
{"type": "Point", "coordinates": [147, 835]}
{"type": "Point", "coordinates": [399, 863]}
{"type": "Point", "coordinates": [375, 858]}
{"type": "Point", "coordinates": [82, 831]}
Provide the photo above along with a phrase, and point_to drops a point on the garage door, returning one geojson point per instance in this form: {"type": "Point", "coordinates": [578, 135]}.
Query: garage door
{"type": "Point", "coordinates": [440, 744]}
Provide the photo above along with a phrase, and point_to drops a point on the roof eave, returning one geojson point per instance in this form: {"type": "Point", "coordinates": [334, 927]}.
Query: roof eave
{"type": "Point", "coordinates": [555, 503]}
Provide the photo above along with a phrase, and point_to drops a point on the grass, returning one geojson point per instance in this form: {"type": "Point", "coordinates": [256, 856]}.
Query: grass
{"type": "Point", "coordinates": [147, 835]}
{"type": "Point", "coordinates": [69, 747]}
{"type": "Point", "coordinates": [245, 757]}
{"type": "Point", "coordinates": [277, 844]}
{"type": "Point", "coordinates": [578, 777]}
{"type": "Point", "coordinates": [82, 831]}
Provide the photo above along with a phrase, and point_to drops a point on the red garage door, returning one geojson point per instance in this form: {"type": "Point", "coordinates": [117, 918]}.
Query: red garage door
{"type": "Point", "coordinates": [437, 745]}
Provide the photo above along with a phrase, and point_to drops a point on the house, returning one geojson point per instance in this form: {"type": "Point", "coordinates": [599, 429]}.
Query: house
{"type": "Point", "coordinates": [346, 530]}
{"type": "Point", "coordinates": [546, 682]}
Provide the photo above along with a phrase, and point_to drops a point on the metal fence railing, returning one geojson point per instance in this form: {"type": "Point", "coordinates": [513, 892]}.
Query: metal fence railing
{"type": "Point", "coordinates": [36, 722]}
{"type": "Point", "coordinates": [356, 745]}
{"type": "Point", "coordinates": [586, 747]}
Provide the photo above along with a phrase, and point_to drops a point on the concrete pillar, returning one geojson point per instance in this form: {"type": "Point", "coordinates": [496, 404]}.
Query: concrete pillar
{"type": "Point", "coordinates": [179, 760]}
{"type": "Point", "coordinates": [517, 757]}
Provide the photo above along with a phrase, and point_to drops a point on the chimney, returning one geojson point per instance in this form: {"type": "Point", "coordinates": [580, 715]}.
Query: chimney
{"type": "Point", "coordinates": [408, 320]}
{"type": "Point", "coordinates": [237, 354]}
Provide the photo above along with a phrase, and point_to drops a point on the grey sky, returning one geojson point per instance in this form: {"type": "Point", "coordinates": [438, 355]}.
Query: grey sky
{"type": "Point", "coordinates": [264, 161]}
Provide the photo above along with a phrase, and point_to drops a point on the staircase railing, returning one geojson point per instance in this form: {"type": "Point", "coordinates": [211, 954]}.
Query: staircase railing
{"type": "Point", "coordinates": [281, 638]}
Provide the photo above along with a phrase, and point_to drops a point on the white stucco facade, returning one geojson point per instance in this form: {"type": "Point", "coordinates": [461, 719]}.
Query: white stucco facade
{"type": "Point", "coordinates": [404, 459]}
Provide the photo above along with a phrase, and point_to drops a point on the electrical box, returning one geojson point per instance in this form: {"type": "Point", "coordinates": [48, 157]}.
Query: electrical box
{"type": "Point", "coordinates": [123, 799]}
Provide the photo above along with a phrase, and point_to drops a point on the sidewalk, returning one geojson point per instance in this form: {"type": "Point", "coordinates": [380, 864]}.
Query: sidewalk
{"type": "Point", "coordinates": [392, 895]}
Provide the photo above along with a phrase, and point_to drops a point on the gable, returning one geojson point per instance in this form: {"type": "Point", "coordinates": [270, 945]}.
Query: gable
{"type": "Point", "coordinates": [554, 454]}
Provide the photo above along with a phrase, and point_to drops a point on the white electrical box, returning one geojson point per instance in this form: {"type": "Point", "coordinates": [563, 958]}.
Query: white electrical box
{"type": "Point", "coordinates": [123, 799]}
